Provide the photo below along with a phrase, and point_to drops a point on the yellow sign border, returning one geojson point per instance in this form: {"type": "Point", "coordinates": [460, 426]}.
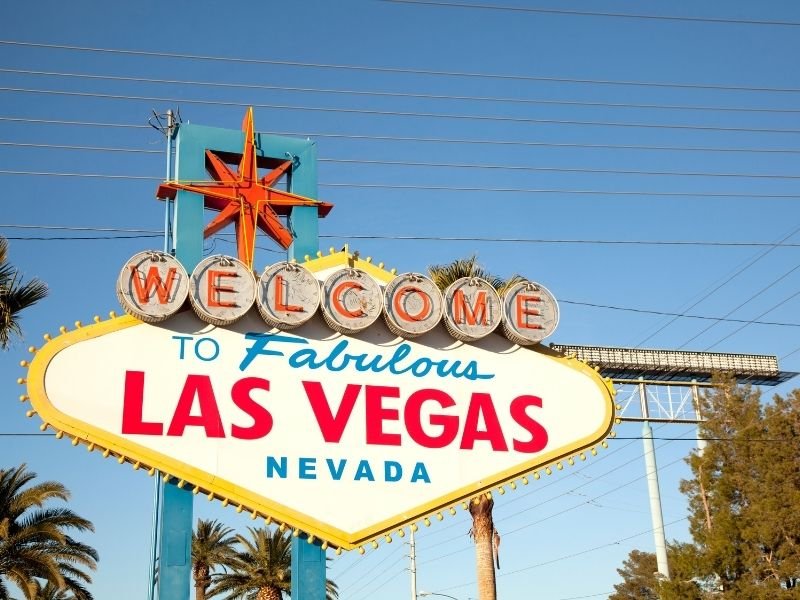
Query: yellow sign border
{"type": "Point", "coordinates": [126, 450]}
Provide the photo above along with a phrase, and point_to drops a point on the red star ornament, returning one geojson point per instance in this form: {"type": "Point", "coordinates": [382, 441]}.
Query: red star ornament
{"type": "Point", "coordinates": [243, 198]}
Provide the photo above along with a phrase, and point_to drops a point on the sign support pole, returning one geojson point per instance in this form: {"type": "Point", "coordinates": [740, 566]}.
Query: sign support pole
{"type": "Point", "coordinates": [651, 471]}
{"type": "Point", "coordinates": [308, 558]}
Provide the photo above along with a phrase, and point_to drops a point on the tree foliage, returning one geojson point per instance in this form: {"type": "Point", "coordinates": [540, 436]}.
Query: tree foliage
{"type": "Point", "coordinates": [36, 552]}
{"type": "Point", "coordinates": [262, 569]}
{"type": "Point", "coordinates": [744, 501]}
{"type": "Point", "coordinates": [15, 296]}
{"type": "Point", "coordinates": [213, 546]}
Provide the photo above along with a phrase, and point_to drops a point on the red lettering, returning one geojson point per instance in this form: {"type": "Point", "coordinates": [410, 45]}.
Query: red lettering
{"type": "Point", "coordinates": [397, 303]}
{"type": "Point", "coordinates": [198, 386]}
{"type": "Point", "coordinates": [262, 419]}
{"type": "Point", "coordinates": [481, 405]}
{"type": "Point", "coordinates": [331, 426]}
{"type": "Point", "coordinates": [523, 312]}
{"type": "Point", "coordinates": [215, 290]}
{"type": "Point", "coordinates": [538, 433]}
{"type": "Point", "coordinates": [463, 312]}
{"type": "Point", "coordinates": [153, 280]}
{"type": "Point", "coordinates": [336, 299]}
{"type": "Point", "coordinates": [280, 286]}
{"type": "Point", "coordinates": [377, 414]}
{"type": "Point", "coordinates": [413, 419]}
{"type": "Point", "coordinates": [132, 405]}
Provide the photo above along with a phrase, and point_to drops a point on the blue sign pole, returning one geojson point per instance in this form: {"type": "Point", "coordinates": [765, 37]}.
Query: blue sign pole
{"type": "Point", "coordinates": [308, 559]}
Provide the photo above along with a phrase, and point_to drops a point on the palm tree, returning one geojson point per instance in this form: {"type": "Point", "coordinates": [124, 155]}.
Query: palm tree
{"type": "Point", "coordinates": [34, 544]}
{"type": "Point", "coordinates": [263, 570]}
{"type": "Point", "coordinates": [50, 592]}
{"type": "Point", "coordinates": [212, 546]}
{"type": "Point", "coordinates": [15, 296]}
{"type": "Point", "coordinates": [482, 532]}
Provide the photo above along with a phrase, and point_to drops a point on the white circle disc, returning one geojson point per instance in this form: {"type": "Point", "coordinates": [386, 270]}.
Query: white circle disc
{"type": "Point", "coordinates": [351, 300]}
{"type": "Point", "coordinates": [222, 289]}
{"type": "Point", "coordinates": [471, 309]}
{"type": "Point", "coordinates": [152, 286]}
{"type": "Point", "coordinates": [530, 313]}
{"type": "Point", "coordinates": [288, 295]}
{"type": "Point", "coordinates": [412, 305]}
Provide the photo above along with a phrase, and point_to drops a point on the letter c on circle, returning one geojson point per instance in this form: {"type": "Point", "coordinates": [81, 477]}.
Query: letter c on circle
{"type": "Point", "coordinates": [336, 299]}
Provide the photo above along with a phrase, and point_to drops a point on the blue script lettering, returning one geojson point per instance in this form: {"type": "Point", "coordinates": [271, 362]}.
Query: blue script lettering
{"type": "Point", "coordinates": [338, 359]}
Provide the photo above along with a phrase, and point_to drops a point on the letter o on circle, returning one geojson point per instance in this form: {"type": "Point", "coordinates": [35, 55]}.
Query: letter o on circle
{"type": "Point", "coordinates": [412, 305]}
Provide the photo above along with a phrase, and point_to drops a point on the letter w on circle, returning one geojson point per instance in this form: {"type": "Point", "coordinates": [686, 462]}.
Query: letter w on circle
{"type": "Point", "coordinates": [144, 285]}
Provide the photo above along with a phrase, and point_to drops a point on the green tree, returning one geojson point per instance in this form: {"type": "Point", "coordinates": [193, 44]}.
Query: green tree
{"type": "Point", "coordinates": [638, 578]}
{"type": "Point", "coordinates": [744, 497]}
{"type": "Point", "coordinates": [34, 540]}
{"type": "Point", "coordinates": [641, 581]}
{"type": "Point", "coordinates": [213, 545]}
{"type": "Point", "coordinates": [483, 531]}
{"type": "Point", "coordinates": [744, 500]}
{"type": "Point", "coordinates": [262, 570]}
{"type": "Point", "coordinates": [15, 296]}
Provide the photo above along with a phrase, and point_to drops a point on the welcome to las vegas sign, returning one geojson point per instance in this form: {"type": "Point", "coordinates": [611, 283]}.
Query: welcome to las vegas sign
{"type": "Point", "coordinates": [333, 397]}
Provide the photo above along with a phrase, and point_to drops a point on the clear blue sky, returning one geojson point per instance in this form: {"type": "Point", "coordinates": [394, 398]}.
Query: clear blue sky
{"type": "Point", "coordinates": [558, 540]}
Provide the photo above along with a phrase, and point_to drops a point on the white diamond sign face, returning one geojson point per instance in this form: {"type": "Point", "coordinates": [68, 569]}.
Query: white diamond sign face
{"type": "Point", "coordinates": [343, 437]}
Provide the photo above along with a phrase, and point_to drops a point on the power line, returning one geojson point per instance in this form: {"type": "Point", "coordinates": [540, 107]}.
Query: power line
{"type": "Point", "coordinates": [568, 556]}
{"type": "Point", "coordinates": [554, 498]}
{"type": "Point", "coordinates": [582, 13]}
{"type": "Point", "coordinates": [466, 141]}
{"type": "Point", "coordinates": [390, 94]}
{"type": "Point", "coordinates": [400, 70]}
{"type": "Point", "coordinates": [447, 165]}
{"type": "Point", "coordinates": [562, 301]}
{"type": "Point", "coordinates": [81, 148]}
{"type": "Point", "coordinates": [447, 188]}
{"type": "Point", "coordinates": [681, 315]}
{"type": "Point", "coordinates": [559, 191]}
{"type": "Point", "coordinates": [722, 284]}
{"type": "Point", "coordinates": [514, 240]}
{"type": "Point", "coordinates": [397, 113]}
{"type": "Point", "coordinates": [65, 122]}
{"type": "Point", "coordinates": [744, 303]}
{"type": "Point", "coordinates": [751, 322]}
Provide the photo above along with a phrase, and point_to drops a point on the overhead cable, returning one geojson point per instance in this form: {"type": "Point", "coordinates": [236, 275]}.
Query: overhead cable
{"type": "Point", "coordinates": [746, 265]}
{"type": "Point", "coordinates": [435, 238]}
{"type": "Point", "coordinates": [442, 165]}
{"type": "Point", "coordinates": [390, 94]}
{"type": "Point", "coordinates": [446, 188]}
{"type": "Point", "coordinates": [65, 122]}
{"type": "Point", "coordinates": [438, 140]}
{"type": "Point", "coordinates": [402, 70]}
{"type": "Point", "coordinates": [584, 13]}
{"type": "Point", "coordinates": [752, 321]}
{"type": "Point", "coordinates": [747, 301]}
{"type": "Point", "coordinates": [398, 113]}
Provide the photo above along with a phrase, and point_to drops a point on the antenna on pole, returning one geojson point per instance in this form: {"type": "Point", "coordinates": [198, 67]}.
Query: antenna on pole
{"type": "Point", "coordinates": [168, 125]}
